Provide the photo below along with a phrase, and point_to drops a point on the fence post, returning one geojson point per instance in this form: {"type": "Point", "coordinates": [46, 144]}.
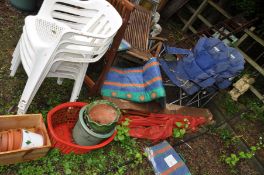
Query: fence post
{"type": "Point", "coordinates": [194, 16]}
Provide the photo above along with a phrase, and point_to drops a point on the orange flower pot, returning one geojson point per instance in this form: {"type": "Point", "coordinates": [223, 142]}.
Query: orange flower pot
{"type": "Point", "coordinates": [0, 141]}
{"type": "Point", "coordinates": [10, 140]}
{"type": "Point", "coordinates": [4, 141]}
{"type": "Point", "coordinates": [17, 139]}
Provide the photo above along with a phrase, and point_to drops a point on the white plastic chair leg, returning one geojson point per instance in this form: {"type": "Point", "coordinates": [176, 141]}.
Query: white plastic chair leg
{"type": "Point", "coordinates": [27, 97]}
{"type": "Point", "coordinates": [78, 83]}
{"type": "Point", "coordinates": [59, 81]}
{"type": "Point", "coordinates": [16, 52]}
{"type": "Point", "coordinates": [33, 83]}
{"type": "Point", "coordinates": [15, 66]}
{"type": "Point", "coordinates": [15, 60]}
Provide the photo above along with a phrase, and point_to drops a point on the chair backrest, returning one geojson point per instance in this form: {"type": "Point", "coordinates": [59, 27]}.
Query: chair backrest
{"type": "Point", "coordinates": [97, 20]}
{"type": "Point", "coordinates": [125, 8]}
{"type": "Point", "coordinates": [137, 32]}
{"type": "Point", "coordinates": [93, 16]}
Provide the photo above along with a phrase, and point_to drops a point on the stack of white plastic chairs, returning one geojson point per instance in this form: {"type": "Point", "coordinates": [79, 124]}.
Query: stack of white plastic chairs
{"type": "Point", "coordinates": [61, 40]}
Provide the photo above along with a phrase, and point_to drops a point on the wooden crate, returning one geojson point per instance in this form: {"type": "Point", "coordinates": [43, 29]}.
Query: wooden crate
{"type": "Point", "coordinates": [28, 121]}
{"type": "Point", "coordinates": [156, 108]}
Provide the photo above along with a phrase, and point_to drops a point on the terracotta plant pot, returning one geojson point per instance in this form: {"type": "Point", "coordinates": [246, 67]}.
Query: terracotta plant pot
{"type": "Point", "coordinates": [0, 141]}
{"type": "Point", "coordinates": [17, 139]}
{"type": "Point", "coordinates": [83, 135]}
{"type": "Point", "coordinates": [10, 140]}
{"type": "Point", "coordinates": [4, 141]}
{"type": "Point", "coordinates": [13, 139]}
{"type": "Point", "coordinates": [103, 114]}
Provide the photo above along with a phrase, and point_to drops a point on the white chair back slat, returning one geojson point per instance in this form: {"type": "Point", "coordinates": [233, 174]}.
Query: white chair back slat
{"type": "Point", "coordinates": [70, 18]}
{"type": "Point", "coordinates": [85, 12]}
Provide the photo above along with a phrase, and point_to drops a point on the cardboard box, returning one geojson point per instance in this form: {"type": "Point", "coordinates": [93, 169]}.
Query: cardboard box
{"type": "Point", "coordinates": [30, 122]}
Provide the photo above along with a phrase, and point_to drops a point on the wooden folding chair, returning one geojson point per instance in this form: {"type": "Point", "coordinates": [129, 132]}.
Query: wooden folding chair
{"type": "Point", "coordinates": [124, 8]}
{"type": "Point", "coordinates": [138, 35]}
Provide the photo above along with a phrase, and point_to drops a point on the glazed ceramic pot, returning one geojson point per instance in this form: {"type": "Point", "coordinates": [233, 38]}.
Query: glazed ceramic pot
{"type": "Point", "coordinates": [101, 116]}
{"type": "Point", "coordinates": [41, 132]}
{"type": "Point", "coordinates": [26, 5]}
{"type": "Point", "coordinates": [31, 139]}
{"type": "Point", "coordinates": [83, 135]}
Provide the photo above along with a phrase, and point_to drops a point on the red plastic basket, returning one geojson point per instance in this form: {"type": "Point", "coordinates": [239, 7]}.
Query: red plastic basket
{"type": "Point", "coordinates": [61, 121]}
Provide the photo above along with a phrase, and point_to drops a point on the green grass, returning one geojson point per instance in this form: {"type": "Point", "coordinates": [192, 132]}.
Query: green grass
{"type": "Point", "coordinates": [248, 106]}
{"type": "Point", "coordinates": [95, 162]}
{"type": "Point", "coordinates": [231, 107]}
{"type": "Point", "coordinates": [255, 108]}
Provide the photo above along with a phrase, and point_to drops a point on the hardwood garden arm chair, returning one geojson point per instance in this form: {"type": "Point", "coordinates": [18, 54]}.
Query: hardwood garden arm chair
{"type": "Point", "coordinates": [124, 8]}
{"type": "Point", "coordinates": [136, 31]}
{"type": "Point", "coordinates": [138, 35]}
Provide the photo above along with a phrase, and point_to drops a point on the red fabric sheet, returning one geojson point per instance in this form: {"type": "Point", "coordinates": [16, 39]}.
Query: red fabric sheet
{"type": "Point", "coordinates": [158, 127]}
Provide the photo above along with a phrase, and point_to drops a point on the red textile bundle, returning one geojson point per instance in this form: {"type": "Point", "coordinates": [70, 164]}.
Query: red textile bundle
{"type": "Point", "coordinates": [159, 126]}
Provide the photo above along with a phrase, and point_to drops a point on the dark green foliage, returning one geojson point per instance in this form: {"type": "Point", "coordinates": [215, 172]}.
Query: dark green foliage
{"type": "Point", "coordinates": [246, 6]}
{"type": "Point", "coordinates": [122, 131]}
{"type": "Point", "coordinates": [254, 108]}
{"type": "Point", "coordinates": [230, 106]}
{"type": "Point", "coordinates": [234, 158]}
{"type": "Point", "coordinates": [95, 162]}
{"type": "Point", "coordinates": [251, 9]}
{"type": "Point", "coordinates": [180, 129]}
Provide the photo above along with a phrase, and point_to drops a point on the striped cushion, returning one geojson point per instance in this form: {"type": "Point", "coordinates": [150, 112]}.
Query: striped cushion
{"type": "Point", "coordinates": [141, 84]}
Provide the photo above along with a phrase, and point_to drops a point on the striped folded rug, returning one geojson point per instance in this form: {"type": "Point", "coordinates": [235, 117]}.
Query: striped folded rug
{"type": "Point", "coordinates": [140, 84]}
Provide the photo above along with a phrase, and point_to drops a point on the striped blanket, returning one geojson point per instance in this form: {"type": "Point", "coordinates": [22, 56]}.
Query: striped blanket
{"type": "Point", "coordinates": [140, 84]}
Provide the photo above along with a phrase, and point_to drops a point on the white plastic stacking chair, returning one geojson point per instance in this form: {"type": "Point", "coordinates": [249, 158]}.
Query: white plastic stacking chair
{"type": "Point", "coordinates": [61, 40]}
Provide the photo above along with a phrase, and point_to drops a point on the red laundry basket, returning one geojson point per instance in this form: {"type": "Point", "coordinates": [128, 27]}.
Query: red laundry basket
{"type": "Point", "coordinates": [61, 121]}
